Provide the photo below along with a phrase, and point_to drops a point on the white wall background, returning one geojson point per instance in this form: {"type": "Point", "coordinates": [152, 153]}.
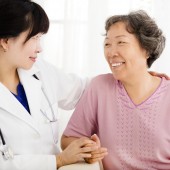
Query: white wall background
{"type": "Point", "coordinates": [75, 42]}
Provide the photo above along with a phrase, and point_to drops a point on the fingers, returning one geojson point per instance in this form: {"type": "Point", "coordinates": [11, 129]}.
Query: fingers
{"type": "Point", "coordinates": [80, 149]}
{"type": "Point", "coordinates": [153, 73]}
{"type": "Point", "coordinates": [90, 160]}
{"type": "Point", "coordinates": [99, 151]}
{"type": "Point", "coordinates": [95, 159]}
{"type": "Point", "coordinates": [166, 76]}
{"type": "Point", "coordinates": [91, 148]}
{"type": "Point", "coordinates": [159, 74]}
{"type": "Point", "coordinates": [97, 155]}
{"type": "Point", "coordinates": [82, 145]}
{"type": "Point", "coordinates": [84, 142]}
{"type": "Point", "coordinates": [84, 155]}
{"type": "Point", "coordinates": [84, 148]}
{"type": "Point", "coordinates": [96, 139]}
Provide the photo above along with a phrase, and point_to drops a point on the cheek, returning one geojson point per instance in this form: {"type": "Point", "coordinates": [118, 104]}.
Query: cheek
{"type": "Point", "coordinates": [137, 62]}
{"type": "Point", "coordinates": [30, 45]}
{"type": "Point", "coordinates": [107, 59]}
{"type": "Point", "coordinates": [106, 54]}
{"type": "Point", "coordinates": [29, 50]}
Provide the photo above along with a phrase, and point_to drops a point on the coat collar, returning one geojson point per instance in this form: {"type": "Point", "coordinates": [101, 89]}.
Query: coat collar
{"type": "Point", "coordinates": [33, 92]}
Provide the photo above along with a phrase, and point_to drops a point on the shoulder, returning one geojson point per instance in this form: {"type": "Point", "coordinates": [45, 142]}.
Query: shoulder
{"type": "Point", "coordinates": [45, 66]}
{"type": "Point", "coordinates": [165, 84]}
{"type": "Point", "coordinates": [102, 82]}
{"type": "Point", "coordinates": [163, 91]}
{"type": "Point", "coordinates": [103, 79]}
{"type": "Point", "coordinates": [51, 72]}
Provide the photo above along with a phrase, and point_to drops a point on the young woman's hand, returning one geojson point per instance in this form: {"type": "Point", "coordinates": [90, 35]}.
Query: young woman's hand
{"type": "Point", "coordinates": [76, 151]}
{"type": "Point", "coordinates": [159, 74]}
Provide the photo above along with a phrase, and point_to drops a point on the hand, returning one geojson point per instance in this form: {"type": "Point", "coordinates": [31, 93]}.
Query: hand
{"type": "Point", "coordinates": [76, 151]}
{"type": "Point", "coordinates": [99, 153]}
{"type": "Point", "coordinates": [159, 74]}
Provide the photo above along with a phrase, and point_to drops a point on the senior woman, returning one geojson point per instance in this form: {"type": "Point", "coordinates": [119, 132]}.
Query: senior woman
{"type": "Point", "coordinates": [128, 109]}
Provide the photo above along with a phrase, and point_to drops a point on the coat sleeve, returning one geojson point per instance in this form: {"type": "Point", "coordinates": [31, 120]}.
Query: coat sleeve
{"type": "Point", "coordinates": [67, 88]}
{"type": "Point", "coordinates": [71, 89]}
{"type": "Point", "coordinates": [29, 162]}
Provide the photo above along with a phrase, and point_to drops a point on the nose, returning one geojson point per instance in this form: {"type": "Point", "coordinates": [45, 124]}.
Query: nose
{"type": "Point", "coordinates": [111, 52]}
{"type": "Point", "coordinates": [38, 47]}
{"type": "Point", "coordinates": [38, 51]}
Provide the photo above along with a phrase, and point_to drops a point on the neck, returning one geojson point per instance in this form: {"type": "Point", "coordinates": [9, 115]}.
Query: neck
{"type": "Point", "coordinates": [141, 87]}
{"type": "Point", "coordinates": [9, 78]}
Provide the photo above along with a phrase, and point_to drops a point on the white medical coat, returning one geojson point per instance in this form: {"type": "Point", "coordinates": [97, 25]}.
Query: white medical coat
{"type": "Point", "coordinates": [32, 138]}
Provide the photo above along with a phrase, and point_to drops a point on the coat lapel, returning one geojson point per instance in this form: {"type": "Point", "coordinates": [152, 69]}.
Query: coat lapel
{"type": "Point", "coordinates": [33, 92]}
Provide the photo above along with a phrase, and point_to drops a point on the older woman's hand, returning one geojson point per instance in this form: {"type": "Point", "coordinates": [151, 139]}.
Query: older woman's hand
{"type": "Point", "coordinates": [76, 151]}
{"type": "Point", "coordinates": [99, 153]}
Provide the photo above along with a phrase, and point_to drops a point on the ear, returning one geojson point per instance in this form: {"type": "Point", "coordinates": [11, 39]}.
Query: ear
{"type": "Point", "coordinates": [4, 43]}
{"type": "Point", "coordinates": [147, 54]}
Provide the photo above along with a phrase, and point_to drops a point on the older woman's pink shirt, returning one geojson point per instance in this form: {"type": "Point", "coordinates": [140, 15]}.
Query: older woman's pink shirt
{"type": "Point", "coordinates": [137, 136]}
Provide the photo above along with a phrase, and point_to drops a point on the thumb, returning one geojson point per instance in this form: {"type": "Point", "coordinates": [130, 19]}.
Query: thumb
{"type": "Point", "coordinates": [96, 139]}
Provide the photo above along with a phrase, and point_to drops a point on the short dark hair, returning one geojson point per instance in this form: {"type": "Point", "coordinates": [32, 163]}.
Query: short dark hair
{"type": "Point", "coordinates": [17, 16]}
{"type": "Point", "coordinates": [145, 29]}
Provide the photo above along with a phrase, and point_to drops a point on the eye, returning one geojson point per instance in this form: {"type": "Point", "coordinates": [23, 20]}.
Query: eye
{"type": "Point", "coordinates": [106, 44]}
{"type": "Point", "coordinates": [36, 37]}
{"type": "Point", "coordinates": [121, 42]}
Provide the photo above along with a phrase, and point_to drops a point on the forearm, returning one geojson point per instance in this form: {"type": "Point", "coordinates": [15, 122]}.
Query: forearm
{"type": "Point", "coordinates": [59, 161]}
{"type": "Point", "coordinates": [65, 141]}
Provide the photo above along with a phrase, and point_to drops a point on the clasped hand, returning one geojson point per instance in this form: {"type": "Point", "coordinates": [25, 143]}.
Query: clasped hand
{"type": "Point", "coordinates": [84, 148]}
{"type": "Point", "coordinates": [97, 154]}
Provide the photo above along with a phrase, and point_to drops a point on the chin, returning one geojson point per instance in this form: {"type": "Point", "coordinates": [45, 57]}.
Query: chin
{"type": "Point", "coordinates": [118, 77]}
{"type": "Point", "coordinates": [27, 67]}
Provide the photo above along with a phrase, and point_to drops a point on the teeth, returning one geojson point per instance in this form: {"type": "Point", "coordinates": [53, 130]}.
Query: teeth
{"type": "Point", "coordinates": [116, 64]}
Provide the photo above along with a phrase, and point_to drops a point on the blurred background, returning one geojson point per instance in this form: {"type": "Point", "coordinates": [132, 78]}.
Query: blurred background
{"type": "Point", "coordinates": [75, 38]}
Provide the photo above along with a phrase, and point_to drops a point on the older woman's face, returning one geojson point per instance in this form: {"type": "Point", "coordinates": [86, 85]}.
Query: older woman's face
{"type": "Point", "coordinates": [123, 53]}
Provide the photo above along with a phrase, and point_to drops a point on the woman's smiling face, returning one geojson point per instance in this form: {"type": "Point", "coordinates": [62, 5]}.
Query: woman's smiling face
{"type": "Point", "coordinates": [123, 52]}
{"type": "Point", "coordinates": [21, 54]}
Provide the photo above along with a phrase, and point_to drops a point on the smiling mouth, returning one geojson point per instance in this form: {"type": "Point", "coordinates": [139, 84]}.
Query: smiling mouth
{"type": "Point", "coordinates": [33, 58]}
{"type": "Point", "coordinates": [117, 64]}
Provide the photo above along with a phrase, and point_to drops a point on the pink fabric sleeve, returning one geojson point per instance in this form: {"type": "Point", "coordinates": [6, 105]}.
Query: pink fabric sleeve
{"type": "Point", "coordinates": [83, 121]}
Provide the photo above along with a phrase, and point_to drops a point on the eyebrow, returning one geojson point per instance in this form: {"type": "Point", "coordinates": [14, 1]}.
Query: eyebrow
{"type": "Point", "coordinates": [118, 36]}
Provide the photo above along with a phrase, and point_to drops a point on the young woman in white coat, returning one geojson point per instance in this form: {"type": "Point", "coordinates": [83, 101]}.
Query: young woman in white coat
{"type": "Point", "coordinates": [31, 91]}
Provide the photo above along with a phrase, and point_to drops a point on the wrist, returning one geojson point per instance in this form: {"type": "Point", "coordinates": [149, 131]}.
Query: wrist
{"type": "Point", "coordinates": [59, 161]}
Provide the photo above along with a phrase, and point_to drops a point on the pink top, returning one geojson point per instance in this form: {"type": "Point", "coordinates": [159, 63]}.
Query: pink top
{"type": "Point", "coordinates": [137, 136]}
